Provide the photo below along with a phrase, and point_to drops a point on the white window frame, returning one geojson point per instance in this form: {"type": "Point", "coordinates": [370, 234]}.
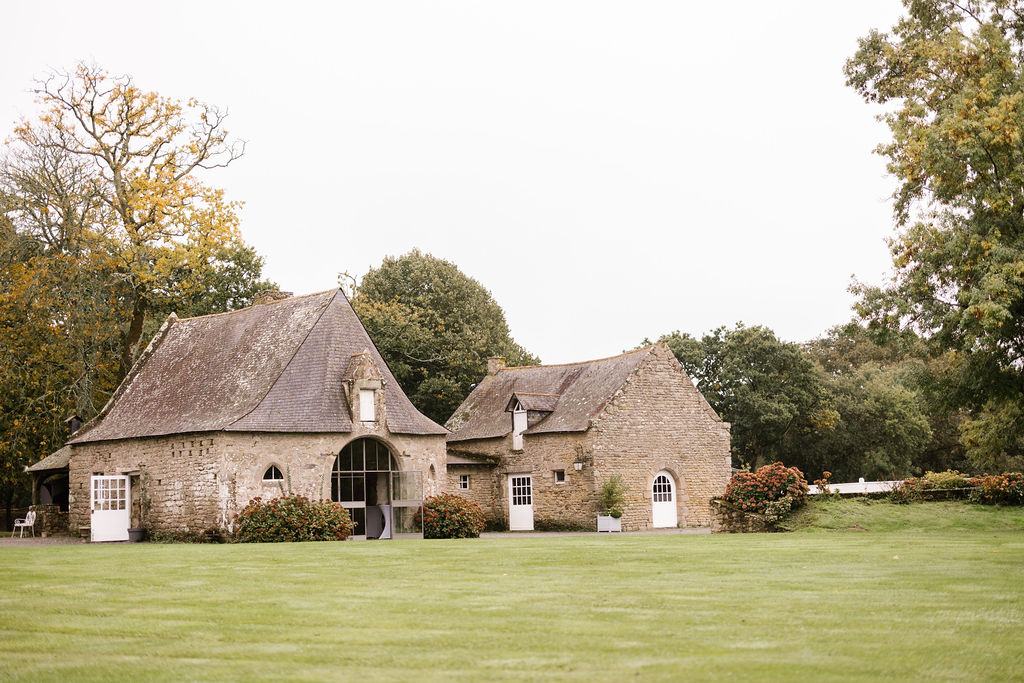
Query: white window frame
{"type": "Point", "coordinates": [367, 405]}
{"type": "Point", "coordinates": [273, 481]}
{"type": "Point", "coordinates": [559, 476]}
{"type": "Point", "coordinates": [464, 482]}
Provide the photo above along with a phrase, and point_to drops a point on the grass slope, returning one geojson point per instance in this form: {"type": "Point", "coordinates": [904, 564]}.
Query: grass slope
{"type": "Point", "coordinates": [902, 605]}
{"type": "Point", "coordinates": [862, 514]}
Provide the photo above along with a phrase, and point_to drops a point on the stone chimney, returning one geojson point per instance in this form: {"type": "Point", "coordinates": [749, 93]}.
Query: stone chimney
{"type": "Point", "coordinates": [267, 296]}
{"type": "Point", "coordinates": [495, 363]}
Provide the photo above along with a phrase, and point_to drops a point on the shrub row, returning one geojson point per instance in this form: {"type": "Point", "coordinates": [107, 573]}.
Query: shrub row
{"type": "Point", "coordinates": [1004, 489]}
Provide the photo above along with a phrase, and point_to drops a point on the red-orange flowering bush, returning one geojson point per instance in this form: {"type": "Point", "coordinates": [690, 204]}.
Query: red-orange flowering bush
{"type": "Point", "coordinates": [1004, 489]}
{"type": "Point", "coordinates": [752, 491]}
{"type": "Point", "coordinates": [292, 518]}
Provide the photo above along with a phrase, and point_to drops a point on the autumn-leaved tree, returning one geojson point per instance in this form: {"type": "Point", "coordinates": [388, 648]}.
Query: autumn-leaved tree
{"type": "Point", "coordinates": [104, 229]}
{"type": "Point", "coordinates": [435, 327]}
{"type": "Point", "coordinates": [141, 155]}
{"type": "Point", "coordinates": [951, 78]}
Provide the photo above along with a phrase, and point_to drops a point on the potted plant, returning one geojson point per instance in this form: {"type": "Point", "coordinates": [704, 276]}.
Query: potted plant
{"type": "Point", "coordinates": [612, 500]}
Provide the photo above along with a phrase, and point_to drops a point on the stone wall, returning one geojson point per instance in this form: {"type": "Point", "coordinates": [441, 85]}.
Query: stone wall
{"type": "Point", "coordinates": [726, 519]}
{"type": "Point", "coordinates": [194, 482]}
{"type": "Point", "coordinates": [659, 421]}
{"type": "Point", "coordinates": [481, 487]}
{"type": "Point", "coordinates": [571, 503]}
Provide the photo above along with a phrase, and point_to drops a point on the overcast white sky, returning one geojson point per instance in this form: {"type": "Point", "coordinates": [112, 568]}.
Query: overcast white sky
{"type": "Point", "coordinates": [609, 170]}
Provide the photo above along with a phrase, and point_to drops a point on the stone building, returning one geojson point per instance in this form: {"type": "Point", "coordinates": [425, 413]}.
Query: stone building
{"type": "Point", "coordinates": [535, 445]}
{"type": "Point", "coordinates": [287, 395]}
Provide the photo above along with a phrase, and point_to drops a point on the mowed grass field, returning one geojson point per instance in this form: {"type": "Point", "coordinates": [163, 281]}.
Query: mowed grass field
{"type": "Point", "coordinates": [933, 603]}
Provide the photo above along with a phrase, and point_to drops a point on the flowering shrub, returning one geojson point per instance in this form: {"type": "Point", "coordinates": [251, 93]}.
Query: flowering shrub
{"type": "Point", "coordinates": [824, 483]}
{"type": "Point", "coordinates": [950, 479]}
{"type": "Point", "coordinates": [451, 516]}
{"type": "Point", "coordinates": [292, 518]}
{"type": "Point", "coordinates": [1006, 489]}
{"type": "Point", "coordinates": [910, 490]}
{"type": "Point", "coordinates": [752, 491]}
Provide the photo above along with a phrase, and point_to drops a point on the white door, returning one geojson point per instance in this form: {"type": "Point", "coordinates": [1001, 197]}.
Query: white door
{"type": "Point", "coordinates": [663, 501]}
{"type": "Point", "coordinates": [111, 511]}
{"type": "Point", "coordinates": [520, 502]}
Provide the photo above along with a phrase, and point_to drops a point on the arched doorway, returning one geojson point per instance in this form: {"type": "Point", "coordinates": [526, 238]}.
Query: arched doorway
{"type": "Point", "coordinates": [382, 500]}
{"type": "Point", "coordinates": [663, 501]}
{"type": "Point", "coordinates": [360, 481]}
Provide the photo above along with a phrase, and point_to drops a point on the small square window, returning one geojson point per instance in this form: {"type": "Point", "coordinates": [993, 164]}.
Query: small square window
{"type": "Point", "coordinates": [559, 476]}
{"type": "Point", "coordinates": [463, 481]}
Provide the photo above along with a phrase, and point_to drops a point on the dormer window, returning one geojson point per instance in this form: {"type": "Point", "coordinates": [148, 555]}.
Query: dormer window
{"type": "Point", "coordinates": [518, 425]}
{"type": "Point", "coordinates": [367, 405]}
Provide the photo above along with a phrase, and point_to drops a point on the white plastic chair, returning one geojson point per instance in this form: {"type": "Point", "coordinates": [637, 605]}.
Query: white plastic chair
{"type": "Point", "coordinates": [29, 522]}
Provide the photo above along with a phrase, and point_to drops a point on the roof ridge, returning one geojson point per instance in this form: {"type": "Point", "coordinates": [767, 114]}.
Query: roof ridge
{"type": "Point", "coordinates": [269, 303]}
{"type": "Point", "coordinates": [581, 362]}
{"type": "Point", "coordinates": [295, 352]}
{"type": "Point", "coordinates": [532, 393]}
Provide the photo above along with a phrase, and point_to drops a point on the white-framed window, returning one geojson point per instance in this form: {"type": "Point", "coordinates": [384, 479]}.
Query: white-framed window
{"type": "Point", "coordinates": [559, 476]}
{"type": "Point", "coordinates": [463, 481]}
{"type": "Point", "coordinates": [272, 474]}
{"type": "Point", "coordinates": [367, 405]}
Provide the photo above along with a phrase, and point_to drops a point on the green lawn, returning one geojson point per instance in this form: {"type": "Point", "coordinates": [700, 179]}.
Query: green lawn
{"type": "Point", "coordinates": [944, 603]}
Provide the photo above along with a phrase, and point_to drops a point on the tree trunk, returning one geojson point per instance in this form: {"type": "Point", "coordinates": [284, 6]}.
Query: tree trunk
{"type": "Point", "coordinates": [131, 342]}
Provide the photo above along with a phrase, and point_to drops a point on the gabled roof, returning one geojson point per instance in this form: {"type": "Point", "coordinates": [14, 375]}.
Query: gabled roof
{"type": "Point", "coordinates": [274, 367]}
{"type": "Point", "coordinates": [581, 392]}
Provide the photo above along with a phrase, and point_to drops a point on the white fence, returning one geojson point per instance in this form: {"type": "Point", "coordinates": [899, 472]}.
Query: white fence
{"type": "Point", "coordinates": [860, 486]}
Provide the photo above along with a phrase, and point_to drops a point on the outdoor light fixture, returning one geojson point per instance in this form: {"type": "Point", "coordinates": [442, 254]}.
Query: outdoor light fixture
{"type": "Point", "coordinates": [582, 458]}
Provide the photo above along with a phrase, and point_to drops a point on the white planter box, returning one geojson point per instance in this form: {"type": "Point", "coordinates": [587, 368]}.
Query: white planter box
{"type": "Point", "coordinates": [609, 523]}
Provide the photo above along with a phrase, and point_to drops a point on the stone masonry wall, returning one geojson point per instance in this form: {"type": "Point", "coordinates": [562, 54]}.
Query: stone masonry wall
{"type": "Point", "coordinates": [195, 482]}
{"type": "Point", "coordinates": [658, 421]}
{"type": "Point", "coordinates": [481, 486]}
{"type": "Point", "coordinates": [570, 503]}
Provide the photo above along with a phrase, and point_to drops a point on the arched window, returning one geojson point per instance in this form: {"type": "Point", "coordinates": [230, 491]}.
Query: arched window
{"type": "Point", "coordinates": [662, 489]}
{"type": "Point", "coordinates": [272, 474]}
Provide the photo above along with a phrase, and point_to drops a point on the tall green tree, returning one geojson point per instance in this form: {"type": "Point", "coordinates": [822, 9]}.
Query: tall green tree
{"type": "Point", "coordinates": [771, 392]}
{"type": "Point", "coordinates": [436, 327]}
{"type": "Point", "coordinates": [950, 77]}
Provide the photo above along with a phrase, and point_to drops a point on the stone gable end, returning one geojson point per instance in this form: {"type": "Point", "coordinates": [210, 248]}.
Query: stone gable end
{"type": "Point", "coordinates": [659, 421]}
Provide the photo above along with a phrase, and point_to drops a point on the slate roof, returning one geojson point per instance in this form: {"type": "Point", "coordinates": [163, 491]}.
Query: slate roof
{"type": "Point", "coordinates": [58, 460]}
{"type": "Point", "coordinates": [582, 391]}
{"type": "Point", "coordinates": [273, 367]}
{"type": "Point", "coordinates": [544, 403]}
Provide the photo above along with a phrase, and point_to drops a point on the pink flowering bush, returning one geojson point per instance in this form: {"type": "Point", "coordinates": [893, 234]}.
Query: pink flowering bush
{"type": "Point", "coordinates": [292, 518]}
{"type": "Point", "coordinates": [753, 491]}
{"type": "Point", "coordinates": [451, 516]}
